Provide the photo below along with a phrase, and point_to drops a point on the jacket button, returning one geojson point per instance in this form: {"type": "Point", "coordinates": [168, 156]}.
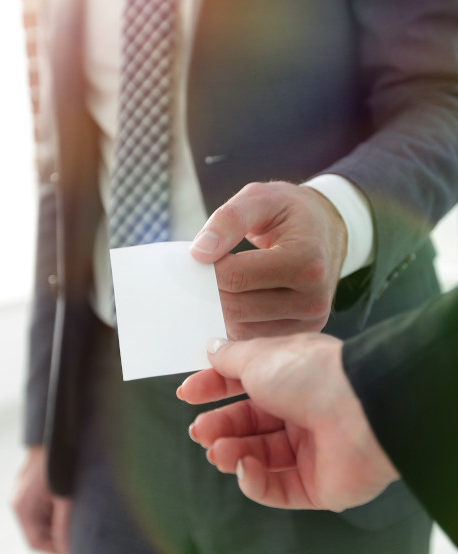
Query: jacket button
{"type": "Point", "coordinates": [217, 158]}
{"type": "Point", "coordinates": [53, 284]}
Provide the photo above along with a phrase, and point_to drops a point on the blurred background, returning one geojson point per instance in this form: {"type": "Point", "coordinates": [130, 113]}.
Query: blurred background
{"type": "Point", "coordinates": [17, 236]}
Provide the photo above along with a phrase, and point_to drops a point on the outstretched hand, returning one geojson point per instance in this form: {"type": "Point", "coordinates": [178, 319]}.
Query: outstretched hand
{"type": "Point", "coordinates": [288, 284]}
{"type": "Point", "coordinates": [301, 440]}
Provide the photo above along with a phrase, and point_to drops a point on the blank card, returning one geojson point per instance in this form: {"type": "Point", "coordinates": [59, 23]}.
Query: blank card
{"type": "Point", "coordinates": [167, 307]}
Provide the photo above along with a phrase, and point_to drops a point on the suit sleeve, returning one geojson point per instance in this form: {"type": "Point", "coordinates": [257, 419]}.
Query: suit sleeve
{"type": "Point", "coordinates": [42, 320]}
{"type": "Point", "coordinates": [408, 166]}
{"type": "Point", "coordinates": [405, 372]}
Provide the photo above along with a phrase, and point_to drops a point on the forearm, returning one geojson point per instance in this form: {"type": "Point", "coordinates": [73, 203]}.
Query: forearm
{"type": "Point", "coordinates": [408, 165]}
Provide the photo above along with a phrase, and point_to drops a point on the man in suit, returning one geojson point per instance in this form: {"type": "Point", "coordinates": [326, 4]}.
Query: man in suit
{"type": "Point", "coordinates": [405, 383]}
{"type": "Point", "coordinates": [356, 100]}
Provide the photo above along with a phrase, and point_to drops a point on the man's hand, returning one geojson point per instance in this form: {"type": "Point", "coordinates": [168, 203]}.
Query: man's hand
{"type": "Point", "coordinates": [301, 440]}
{"type": "Point", "coordinates": [44, 518]}
{"type": "Point", "coordinates": [286, 286]}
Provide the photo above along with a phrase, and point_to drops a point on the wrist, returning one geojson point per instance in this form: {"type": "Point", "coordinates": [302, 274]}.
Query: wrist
{"type": "Point", "coordinates": [355, 210]}
{"type": "Point", "coordinates": [335, 230]}
{"type": "Point", "coordinates": [354, 419]}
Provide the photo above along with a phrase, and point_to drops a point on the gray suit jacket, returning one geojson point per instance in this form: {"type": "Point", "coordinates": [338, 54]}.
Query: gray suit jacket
{"type": "Point", "coordinates": [277, 90]}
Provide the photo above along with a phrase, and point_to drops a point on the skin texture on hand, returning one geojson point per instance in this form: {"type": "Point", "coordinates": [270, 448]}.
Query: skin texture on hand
{"type": "Point", "coordinates": [288, 284]}
{"type": "Point", "coordinates": [43, 517]}
{"type": "Point", "coordinates": [301, 440]}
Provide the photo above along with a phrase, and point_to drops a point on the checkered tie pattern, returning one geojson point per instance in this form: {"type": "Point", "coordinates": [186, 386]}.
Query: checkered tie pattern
{"type": "Point", "coordinates": [139, 190]}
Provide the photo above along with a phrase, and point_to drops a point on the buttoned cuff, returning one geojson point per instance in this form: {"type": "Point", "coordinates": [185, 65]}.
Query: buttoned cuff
{"type": "Point", "coordinates": [355, 211]}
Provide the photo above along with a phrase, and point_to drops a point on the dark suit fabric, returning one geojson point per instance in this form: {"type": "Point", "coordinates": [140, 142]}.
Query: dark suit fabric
{"type": "Point", "coordinates": [405, 371]}
{"type": "Point", "coordinates": [277, 90]}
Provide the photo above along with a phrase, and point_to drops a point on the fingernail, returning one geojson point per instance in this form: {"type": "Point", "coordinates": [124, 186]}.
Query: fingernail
{"type": "Point", "coordinates": [179, 393]}
{"type": "Point", "coordinates": [239, 470]}
{"type": "Point", "coordinates": [192, 432]}
{"type": "Point", "coordinates": [210, 456]}
{"type": "Point", "coordinates": [214, 344]}
{"type": "Point", "coordinates": [207, 242]}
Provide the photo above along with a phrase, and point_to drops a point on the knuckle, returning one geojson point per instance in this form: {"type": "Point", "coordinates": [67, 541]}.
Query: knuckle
{"type": "Point", "coordinates": [314, 272]}
{"type": "Point", "coordinates": [293, 274]}
{"type": "Point", "coordinates": [319, 500]}
{"type": "Point", "coordinates": [230, 214]}
{"type": "Point", "coordinates": [34, 542]}
{"type": "Point", "coordinates": [316, 307]}
{"type": "Point", "coordinates": [320, 307]}
{"type": "Point", "coordinates": [233, 311]}
{"type": "Point", "coordinates": [238, 281]}
{"type": "Point", "coordinates": [199, 419]}
{"type": "Point", "coordinates": [317, 325]}
{"type": "Point", "coordinates": [235, 280]}
{"type": "Point", "coordinates": [239, 331]}
{"type": "Point", "coordinates": [254, 189]}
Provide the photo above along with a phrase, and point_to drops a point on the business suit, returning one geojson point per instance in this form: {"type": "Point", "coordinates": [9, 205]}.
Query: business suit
{"type": "Point", "coordinates": [405, 374]}
{"type": "Point", "coordinates": [261, 121]}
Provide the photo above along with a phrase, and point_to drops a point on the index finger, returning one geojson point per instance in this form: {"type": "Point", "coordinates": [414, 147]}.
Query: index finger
{"type": "Point", "coordinates": [208, 386]}
{"type": "Point", "coordinates": [271, 268]}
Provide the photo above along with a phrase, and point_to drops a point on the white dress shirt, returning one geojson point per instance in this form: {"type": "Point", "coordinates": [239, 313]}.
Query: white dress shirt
{"type": "Point", "coordinates": [187, 213]}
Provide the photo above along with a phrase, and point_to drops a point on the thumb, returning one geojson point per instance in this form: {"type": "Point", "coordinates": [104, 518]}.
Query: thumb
{"type": "Point", "coordinates": [233, 359]}
{"type": "Point", "coordinates": [250, 211]}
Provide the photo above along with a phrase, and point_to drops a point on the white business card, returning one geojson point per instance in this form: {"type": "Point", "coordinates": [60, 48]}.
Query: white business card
{"type": "Point", "coordinates": [167, 307]}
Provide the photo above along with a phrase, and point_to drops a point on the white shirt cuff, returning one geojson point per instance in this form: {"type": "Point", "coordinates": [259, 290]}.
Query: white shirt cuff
{"type": "Point", "coordinates": [355, 211]}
